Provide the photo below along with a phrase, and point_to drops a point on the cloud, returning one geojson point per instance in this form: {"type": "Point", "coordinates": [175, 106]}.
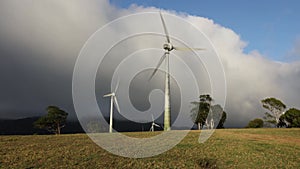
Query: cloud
{"type": "Point", "coordinates": [40, 42]}
{"type": "Point", "coordinates": [250, 76]}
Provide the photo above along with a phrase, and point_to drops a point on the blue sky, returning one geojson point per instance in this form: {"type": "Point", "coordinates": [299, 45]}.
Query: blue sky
{"type": "Point", "coordinates": [271, 27]}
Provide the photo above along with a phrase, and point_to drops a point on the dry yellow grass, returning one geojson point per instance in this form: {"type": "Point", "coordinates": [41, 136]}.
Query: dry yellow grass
{"type": "Point", "coordinates": [228, 148]}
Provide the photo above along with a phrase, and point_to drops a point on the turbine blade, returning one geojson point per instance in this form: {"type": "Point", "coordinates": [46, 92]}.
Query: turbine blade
{"type": "Point", "coordinates": [165, 27]}
{"type": "Point", "coordinates": [156, 125]}
{"type": "Point", "coordinates": [152, 117]}
{"type": "Point", "coordinates": [117, 86]}
{"type": "Point", "coordinates": [187, 48]}
{"type": "Point", "coordinates": [107, 95]}
{"type": "Point", "coordinates": [116, 104]}
{"type": "Point", "coordinates": [158, 65]}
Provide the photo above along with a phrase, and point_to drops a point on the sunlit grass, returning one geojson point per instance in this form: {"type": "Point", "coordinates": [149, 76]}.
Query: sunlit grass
{"type": "Point", "coordinates": [228, 148]}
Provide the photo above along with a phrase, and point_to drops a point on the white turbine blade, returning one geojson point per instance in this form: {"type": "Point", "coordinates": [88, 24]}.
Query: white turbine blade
{"type": "Point", "coordinates": [165, 27]}
{"type": "Point", "coordinates": [117, 86]}
{"type": "Point", "coordinates": [116, 104]}
{"type": "Point", "coordinates": [107, 95]}
{"type": "Point", "coordinates": [158, 65]}
{"type": "Point", "coordinates": [152, 117]}
{"type": "Point", "coordinates": [156, 125]}
{"type": "Point", "coordinates": [187, 48]}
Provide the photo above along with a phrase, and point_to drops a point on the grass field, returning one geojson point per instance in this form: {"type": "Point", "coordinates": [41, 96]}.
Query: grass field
{"type": "Point", "coordinates": [227, 148]}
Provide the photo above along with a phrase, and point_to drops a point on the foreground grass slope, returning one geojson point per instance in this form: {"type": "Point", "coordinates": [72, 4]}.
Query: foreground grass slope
{"type": "Point", "coordinates": [228, 148]}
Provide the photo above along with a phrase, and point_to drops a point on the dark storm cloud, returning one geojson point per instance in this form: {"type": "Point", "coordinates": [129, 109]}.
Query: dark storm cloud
{"type": "Point", "coordinates": [39, 44]}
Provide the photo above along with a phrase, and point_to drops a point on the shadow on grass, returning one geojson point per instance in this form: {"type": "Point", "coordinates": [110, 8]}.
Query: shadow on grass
{"type": "Point", "coordinates": [207, 163]}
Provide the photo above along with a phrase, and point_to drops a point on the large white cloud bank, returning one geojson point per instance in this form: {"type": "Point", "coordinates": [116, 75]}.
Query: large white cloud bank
{"type": "Point", "coordinates": [53, 32]}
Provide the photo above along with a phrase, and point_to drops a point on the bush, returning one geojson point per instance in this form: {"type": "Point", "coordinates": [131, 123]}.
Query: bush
{"type": "Point", "coordinates": [290, 118]}
{"type": "Point", "coordinates": [256, 123]}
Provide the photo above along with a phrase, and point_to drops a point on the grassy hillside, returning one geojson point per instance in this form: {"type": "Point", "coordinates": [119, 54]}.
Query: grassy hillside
{"type": "Point", "coordinates": [228, 148]}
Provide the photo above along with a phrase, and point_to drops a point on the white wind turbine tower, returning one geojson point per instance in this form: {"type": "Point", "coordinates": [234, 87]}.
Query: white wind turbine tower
{"type": "Point", "coordinates": [113, 100]}
{"type": "Point", "coordinates": [168, 47]}
{"type": "Point", "coordinates": [153, 124]}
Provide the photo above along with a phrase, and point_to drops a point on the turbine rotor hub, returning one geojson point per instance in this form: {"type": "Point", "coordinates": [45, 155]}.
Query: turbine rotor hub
{"type": "Point", "coordinates": [168, 46]}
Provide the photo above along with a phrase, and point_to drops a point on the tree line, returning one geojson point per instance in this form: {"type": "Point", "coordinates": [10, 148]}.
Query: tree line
{"type": "Point", "coordinates": [276, 116]}
{"type": "Point", "coordinates": [204, 114]}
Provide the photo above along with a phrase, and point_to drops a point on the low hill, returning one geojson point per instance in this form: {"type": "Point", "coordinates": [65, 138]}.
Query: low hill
{"type": "Point", "coordinates": [25, 127]}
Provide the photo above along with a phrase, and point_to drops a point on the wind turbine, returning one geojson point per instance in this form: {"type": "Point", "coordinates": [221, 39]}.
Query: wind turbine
{"type": "Point", "coordinates": [113, 100]}
{"type": "Point", "coordinates": [168, 47]}
{"type": "Point", "coordinates": [153, 124]}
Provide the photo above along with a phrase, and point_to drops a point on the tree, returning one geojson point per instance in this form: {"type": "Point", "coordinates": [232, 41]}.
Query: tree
{"type": "Point", "coordinates": [256, 123]}
{"type": "Point", "coordinates": [54, 121]}
{"type": "Point", "coordinates": [216, 114]}
{"type": "Point", "coordinates": [201, 110]}
{"type": "Point", "coordinates": [290, 118]}
{"type": "Point", "coordinates": [222, 120]}
{"type": "Point", "coordinates": [270, 119]}
{"type": "Point", "coordinates": [275, 106]}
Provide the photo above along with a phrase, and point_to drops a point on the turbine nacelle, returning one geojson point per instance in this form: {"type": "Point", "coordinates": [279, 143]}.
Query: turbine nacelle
{"type": "Point", "coordinates": [109, 95]}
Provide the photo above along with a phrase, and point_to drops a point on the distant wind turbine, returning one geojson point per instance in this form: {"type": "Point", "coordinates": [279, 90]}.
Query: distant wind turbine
{"type": "Point", "coordinates": [153, 124]}
{"type": "Point", "coordinates": [113, 100]}
{"type": "Point", "coordinates": [168, 47]}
